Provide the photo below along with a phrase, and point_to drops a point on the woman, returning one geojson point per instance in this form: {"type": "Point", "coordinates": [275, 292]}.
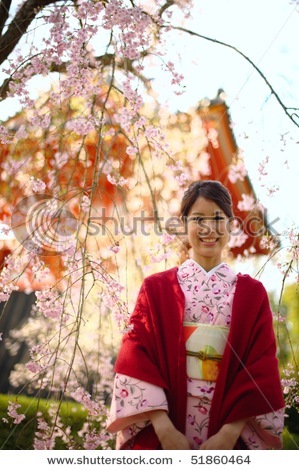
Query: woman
{"type": "Point", "coordinates": [199, 370]}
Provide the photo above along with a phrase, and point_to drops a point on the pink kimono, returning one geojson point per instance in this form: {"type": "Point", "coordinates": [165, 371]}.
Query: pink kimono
{"type": "Point", "coordinates": [206, 323]}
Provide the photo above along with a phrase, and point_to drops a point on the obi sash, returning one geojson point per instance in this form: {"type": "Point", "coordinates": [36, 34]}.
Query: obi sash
{"type": "Point", "coordinates": [204, 347]}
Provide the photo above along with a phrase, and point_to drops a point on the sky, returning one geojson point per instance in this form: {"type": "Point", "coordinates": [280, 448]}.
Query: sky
{"type": "Point", "coordinates": [267, 32]}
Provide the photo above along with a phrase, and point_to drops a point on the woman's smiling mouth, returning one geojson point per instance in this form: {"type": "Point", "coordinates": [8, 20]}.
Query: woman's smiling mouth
{"type": "Point", "coordinates": [208, 240]}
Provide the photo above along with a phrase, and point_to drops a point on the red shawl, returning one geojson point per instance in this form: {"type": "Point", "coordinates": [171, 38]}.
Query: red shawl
{"type": "Point", "coordinates": [248, 383]}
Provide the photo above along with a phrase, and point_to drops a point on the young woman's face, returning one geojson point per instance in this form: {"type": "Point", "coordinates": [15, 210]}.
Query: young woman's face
{"type": "Point", "coordinates": [208, 232]}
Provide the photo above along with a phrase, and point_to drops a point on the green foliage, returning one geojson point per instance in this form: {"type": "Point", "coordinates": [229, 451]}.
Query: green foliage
{"type": "Point", "coordinates": [21, 436]}
{"type": "Point", "coordinates": [290, 441]}
{"type": "Point", "coordinates": [288, 329]}
{"type": "Point", "coordinates": [72, 416]}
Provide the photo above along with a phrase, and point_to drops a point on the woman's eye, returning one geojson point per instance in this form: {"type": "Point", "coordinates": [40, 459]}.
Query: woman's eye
{"type": "Point", "coordinates": [199, 220]}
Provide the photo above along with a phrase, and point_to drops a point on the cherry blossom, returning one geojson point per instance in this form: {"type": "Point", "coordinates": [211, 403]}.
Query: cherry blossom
{"type": "Point", "coordinates": [12, 412]}
{"type": "Point", "coordinates": [38, 186]}
{"type": "Point", "coordinates": [237, 171]}
{"type": "Point", "coordinates": [247, 203]}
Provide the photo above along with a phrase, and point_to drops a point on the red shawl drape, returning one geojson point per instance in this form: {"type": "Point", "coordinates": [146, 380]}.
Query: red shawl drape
{"type": "Point", "coordinates": [248, 383]}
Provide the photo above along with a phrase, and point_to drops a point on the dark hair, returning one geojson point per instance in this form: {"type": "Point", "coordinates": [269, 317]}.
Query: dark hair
{"type": "Point", "coordinates": [209, 189]}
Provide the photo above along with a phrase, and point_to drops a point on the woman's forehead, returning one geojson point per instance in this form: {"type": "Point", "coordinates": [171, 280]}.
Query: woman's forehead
{"type": "Point", "coordinates": [203, 205]}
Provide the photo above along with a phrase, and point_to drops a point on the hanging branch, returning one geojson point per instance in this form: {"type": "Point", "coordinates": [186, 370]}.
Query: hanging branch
{"type": "Point", "coordinates": [292, 116]}
{"type": "Point", "coordinates": [30, 8]}
{"type": "Point", "coordinates": [18, 26]}
{"type": "Point", "coordinates": [105, 60]}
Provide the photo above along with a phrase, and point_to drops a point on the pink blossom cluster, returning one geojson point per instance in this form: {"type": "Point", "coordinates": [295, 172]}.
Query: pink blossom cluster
{"type": "Point", "coordinates": [181, 173]}
{"type": "Point", "coordinates": [85, 203]}
{"type": "Point", "coordinates": [40, 357]}
{"type": "Point", "coordinates": [61, 43]}
{"type": "Point", "coordinates": [238, 237]}
{"type": "Point", "coordinates": [117, 180]}
{"type": "Point", "coordinates": [293, 240]}
{"type": "Point", "coordinates": [81, 396]}
{"type": "Point", "coordinates": [50, 303]}
{"type": "Point", "coordinates": [177, 78]}
{"type": "Point", "coordinates": [167, 238]}
{"type": "Point", "coordinates": [111, 296]}
{"type": "Point", "coordinates": [213, 137]}
{"type": "Point", "coordinates": [38, 186]}
{"type": "Point", "coordinates": [268, 242]}
{"type": "Point", "coordinates": [247, 203]}
{"type": "Point", "coordinates": [157, 141]}
{"type": "Point", "coordinates": [290, 384]}
{"type": "Point", "coordinates": [131, 151]}
{"type": "Point", "coordinates": [9, 276]}
{"type": "Point", "coordinates": [5, 137]}
{"type": "Point", "coordinates": [119, 309]}
{"type": "Point", "coordinates": [114, 248]}
{"type": "Point", "coordinates": [12, 412]}
{"type": "Point", "coordinates": [131, 25]}
{"type": "Point", "coordinates": [159, 253]}
{"type": "Point", "coordinates": [93, 437]}
{"type": "Point", "coordinates": [81, 125]}
{"type": "Point", "coordinates": [237, 171]}
{"type": "Point", "coordinates": [40, 120]}
{"type": "Point", "coordinates": [262, 168]}
{"type": "Point", "coordinates": [89, 11]}
{"type": "Point", "coordinates": [40, 271]}
{"type": "Point", "coordinates": [92, 440]}
{"type": "Point", "coordinates": [12, 166]}
{"type": "Point", "coordinates": [134, 98]}
{"type": "Point", "coordinates": [125, 118]}
{"type": "Point", "coordinates": [205, 166]}
{"type": "Point", "coordinates": [44, 438]}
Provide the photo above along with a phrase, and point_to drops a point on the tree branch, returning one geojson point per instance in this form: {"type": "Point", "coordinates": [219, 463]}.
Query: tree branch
{"type": "Point", "coordinates": [167, 4]}
{"type": "Point", "coordinates": [105, 60]}
{"type": "Point", "coordinates": [4, 13]}
{"type": "Point", "coordinates": [292, 116]}
{"type": "Point", "coordinates": [19, 25]}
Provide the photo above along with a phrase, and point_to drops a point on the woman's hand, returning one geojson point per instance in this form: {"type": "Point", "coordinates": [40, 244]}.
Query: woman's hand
{"type": "Point", "coordinates": [174, 440]}
{"type": "Point", "coordinates": [170, 438]}
{"type": "Point", "coordinates": [226, 438]}
{"type": "Point", "coordinates": [220, 441]}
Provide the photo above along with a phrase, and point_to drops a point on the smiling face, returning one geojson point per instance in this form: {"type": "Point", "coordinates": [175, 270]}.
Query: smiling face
{"type": "Point", "coordinates": [207, 229]}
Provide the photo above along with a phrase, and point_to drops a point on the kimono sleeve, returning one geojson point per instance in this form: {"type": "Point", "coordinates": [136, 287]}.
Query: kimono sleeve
{"type": "Point", "coordinates": [139, 355]}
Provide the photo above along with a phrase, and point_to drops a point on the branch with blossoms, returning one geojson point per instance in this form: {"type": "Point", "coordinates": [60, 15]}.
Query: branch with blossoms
{"type": "Point", "coordinates": [83, 287]}
{"type": "Point", "coordinates": [286, 259]}
{"type": "Point", "coordinates": [19, 24]}
{"type": "Point", "coordinates": [291, 112]}
{"type": "Point", "coordinates": [30, 9]}
{"type": "Point", "coordinates": [102, 62]}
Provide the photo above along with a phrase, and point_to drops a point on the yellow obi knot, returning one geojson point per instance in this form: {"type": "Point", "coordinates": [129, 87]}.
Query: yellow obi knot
{"type": "Point", "coordinates": [204, 348]}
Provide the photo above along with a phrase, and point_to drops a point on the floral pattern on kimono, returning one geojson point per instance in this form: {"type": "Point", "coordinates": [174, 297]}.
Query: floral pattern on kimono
{"type": "Point", "coordinates": [208, 300]}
